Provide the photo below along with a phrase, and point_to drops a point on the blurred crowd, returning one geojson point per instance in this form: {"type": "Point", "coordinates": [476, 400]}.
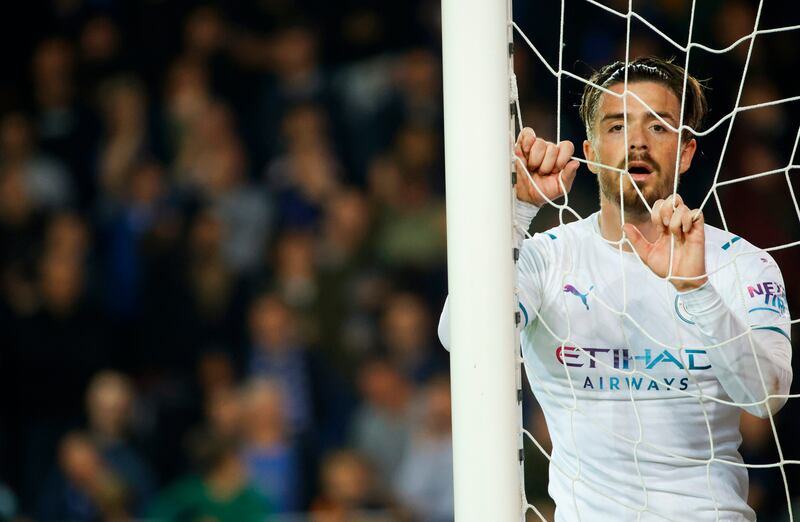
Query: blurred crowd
{"type": "Point", "coordinates": [222, 253]}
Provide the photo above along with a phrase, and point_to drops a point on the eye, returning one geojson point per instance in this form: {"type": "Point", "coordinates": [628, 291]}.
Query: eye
{"type": "Point", "coordinates": [659, 128]}
{"type": "Point", "coordinates": [616, 128]}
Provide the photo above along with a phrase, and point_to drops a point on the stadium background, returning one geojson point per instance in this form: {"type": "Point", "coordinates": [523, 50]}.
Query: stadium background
{"type": "Point", "coordinates": [222, 246]}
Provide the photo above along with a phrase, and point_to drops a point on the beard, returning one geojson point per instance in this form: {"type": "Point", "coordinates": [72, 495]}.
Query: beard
{"type": "Point", "coordinates": [658, 185]}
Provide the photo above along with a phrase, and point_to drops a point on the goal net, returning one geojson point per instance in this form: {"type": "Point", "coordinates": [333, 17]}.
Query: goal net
{"type": "Point", "coordinates": [744, 179]}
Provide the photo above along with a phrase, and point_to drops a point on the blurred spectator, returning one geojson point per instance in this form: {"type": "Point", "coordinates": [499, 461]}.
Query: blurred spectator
{"type": "Point", "coordinates": [135, 212]}
{"type": "Point", "coordinates": [364, 90]}
{"type": "Point", "coordinates": [349, 493]}
{"type": "Point", "coordinates": [195, 300]}
{"type": "Point", "coordinates": [62, 343]}
{"type": "Point", "coordinates": [352, 285]}
{"type": "Point", "coordinates": [20, 228]}
{"type": "Point", "coordinates": [417, 151]}
{"type": "Point", "coordinates": [406, 338]}
{"type": "Point", "coordinates": [291, 56]}
{"type": "Point", "coordinates": [204, 33]}
{"type": "Point", "coordinates": [223, 412]}
{"type": "Point", "coordinates": [418, 78]}
{"type": "Point", "coordinates": [187, 95]}
{"type": "Point", "coordinates": [306, 173]}
{"type": "Point", "coordinates": [67, 236]}
{"type": "Point", "coordinates": [100, 52]}
{"type": "Point", "coordinates": [215, 371]}
{"type": "Point", "coordinates": [425, 479]}
{"type": "Point", "coordinates": [306, 127]}
{"type": "Point", "coordinates": [295, 277]}
{"type": "Point", "coordinates": [218, 491]}
{"type": "Point", "coordinates": [110, 402]}
{"type": "Point", "coordinates": [125, 141]}
{"type": "Point", "coordinates": [318, 403]}
{"type": "Point", "coordinates": [84, 487]}
{"type": "Point", "coordinates": [412, 228]}
{"type": "Point", "coordinates": [212, 286]}
{"type": "Point", "coordinates": [273, 460]}
{"type": "Point", "coordinates": [65, 128]}
{"type": "Point", "coordinates": [303, 181]}
{"type": "Point", "coordinates": [46, 181]}
{"type": "Point", "coordinates": [278, 355]}
{"type": "Point", "coordinates": [212, 169]}
{"type": "Point", "coordinates": [383, 424]}
{"type": "Point", "coordinates": [384, 93]}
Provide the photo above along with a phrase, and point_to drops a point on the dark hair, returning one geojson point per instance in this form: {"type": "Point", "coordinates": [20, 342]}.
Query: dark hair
{"type": "Point", "coordinates": [647, 69]}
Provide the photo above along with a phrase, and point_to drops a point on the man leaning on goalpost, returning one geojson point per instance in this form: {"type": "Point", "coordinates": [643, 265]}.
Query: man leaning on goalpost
{"type": "Point", "coordinates": [643, 406]}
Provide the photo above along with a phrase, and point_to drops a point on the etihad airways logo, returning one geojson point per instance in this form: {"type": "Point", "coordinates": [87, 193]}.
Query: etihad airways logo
{"type": "Point", "coordinates": [621, 359]}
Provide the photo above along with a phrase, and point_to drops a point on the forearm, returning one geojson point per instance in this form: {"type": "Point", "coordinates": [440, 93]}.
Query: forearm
{"type": "Point", "coordinates": [741, 363]}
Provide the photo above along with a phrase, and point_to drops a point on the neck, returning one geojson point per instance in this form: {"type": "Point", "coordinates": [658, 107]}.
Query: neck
{"type": "Point", "coordinates": [611, 223]}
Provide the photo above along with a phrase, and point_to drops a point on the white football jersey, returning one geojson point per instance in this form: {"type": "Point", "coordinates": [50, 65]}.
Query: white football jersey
{"type": "Point", "coordinates": [633, 393]}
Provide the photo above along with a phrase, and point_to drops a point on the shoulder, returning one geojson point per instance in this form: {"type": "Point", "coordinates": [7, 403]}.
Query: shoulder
{"type": "Point", "coordinates": [559, 237]}
{"type": "Point", "coordinates": [725, 248]}
{"type": "Point", "coordinates": [739, 268]}
{"type": "Point", "coordinates": [553, 250]}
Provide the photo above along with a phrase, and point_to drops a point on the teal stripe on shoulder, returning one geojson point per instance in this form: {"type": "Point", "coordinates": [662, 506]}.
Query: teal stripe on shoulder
{"type": "Point", "coordinates": [774, 329]}
{"type": "Point", "coordinates": [733, 240]}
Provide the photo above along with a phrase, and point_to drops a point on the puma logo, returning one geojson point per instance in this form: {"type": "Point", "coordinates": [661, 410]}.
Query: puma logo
{"type": "Point", "coordinates": [574, 291]}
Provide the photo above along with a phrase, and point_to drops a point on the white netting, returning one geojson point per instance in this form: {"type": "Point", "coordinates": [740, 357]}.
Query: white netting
{"type": "Point", "coordinates": [573, 407]}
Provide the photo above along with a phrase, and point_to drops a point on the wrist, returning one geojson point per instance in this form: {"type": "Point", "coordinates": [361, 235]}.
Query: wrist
{"type": "Point", "coordinates": [700, 301]}
{"type": "Point", "coordinates": [684, 286]}
{"type": "Point", "coordinates": [536, 202]}
{"type": "Point", "coordinates": [526, 209]}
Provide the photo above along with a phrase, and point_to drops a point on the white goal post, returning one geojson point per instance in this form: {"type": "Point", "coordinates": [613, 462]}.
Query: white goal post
{"type": "Point", "coordinates": [484, 356]}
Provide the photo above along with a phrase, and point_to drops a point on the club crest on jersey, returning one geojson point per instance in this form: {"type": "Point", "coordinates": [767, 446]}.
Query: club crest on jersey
{"type": "Point", "coordinates": [569, 289]}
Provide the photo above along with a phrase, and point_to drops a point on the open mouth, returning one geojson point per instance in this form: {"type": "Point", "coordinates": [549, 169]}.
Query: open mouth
{"type": "Point", "coordinates": [639, 169]}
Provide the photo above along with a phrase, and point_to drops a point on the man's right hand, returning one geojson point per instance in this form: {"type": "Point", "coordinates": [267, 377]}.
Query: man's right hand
{"type": "Point", "coordinates": [547, 163]}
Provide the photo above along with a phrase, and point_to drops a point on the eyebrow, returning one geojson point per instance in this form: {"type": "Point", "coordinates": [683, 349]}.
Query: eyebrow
{"type": "Point", "coordinates": [619, 116]}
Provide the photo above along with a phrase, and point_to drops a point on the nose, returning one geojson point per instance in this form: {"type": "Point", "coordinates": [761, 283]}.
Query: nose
{"type": "Point", "coordinates": [636, 138]}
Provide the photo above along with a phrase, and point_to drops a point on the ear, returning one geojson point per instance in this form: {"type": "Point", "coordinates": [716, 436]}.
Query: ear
{"type": "Point", "coordinates": [588, 153]}
{"type": "Point", "coordinates": [687, 153]}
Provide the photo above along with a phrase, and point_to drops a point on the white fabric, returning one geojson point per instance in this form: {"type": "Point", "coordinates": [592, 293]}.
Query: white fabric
{"type": "Point", "coordinates": [570, 284]}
